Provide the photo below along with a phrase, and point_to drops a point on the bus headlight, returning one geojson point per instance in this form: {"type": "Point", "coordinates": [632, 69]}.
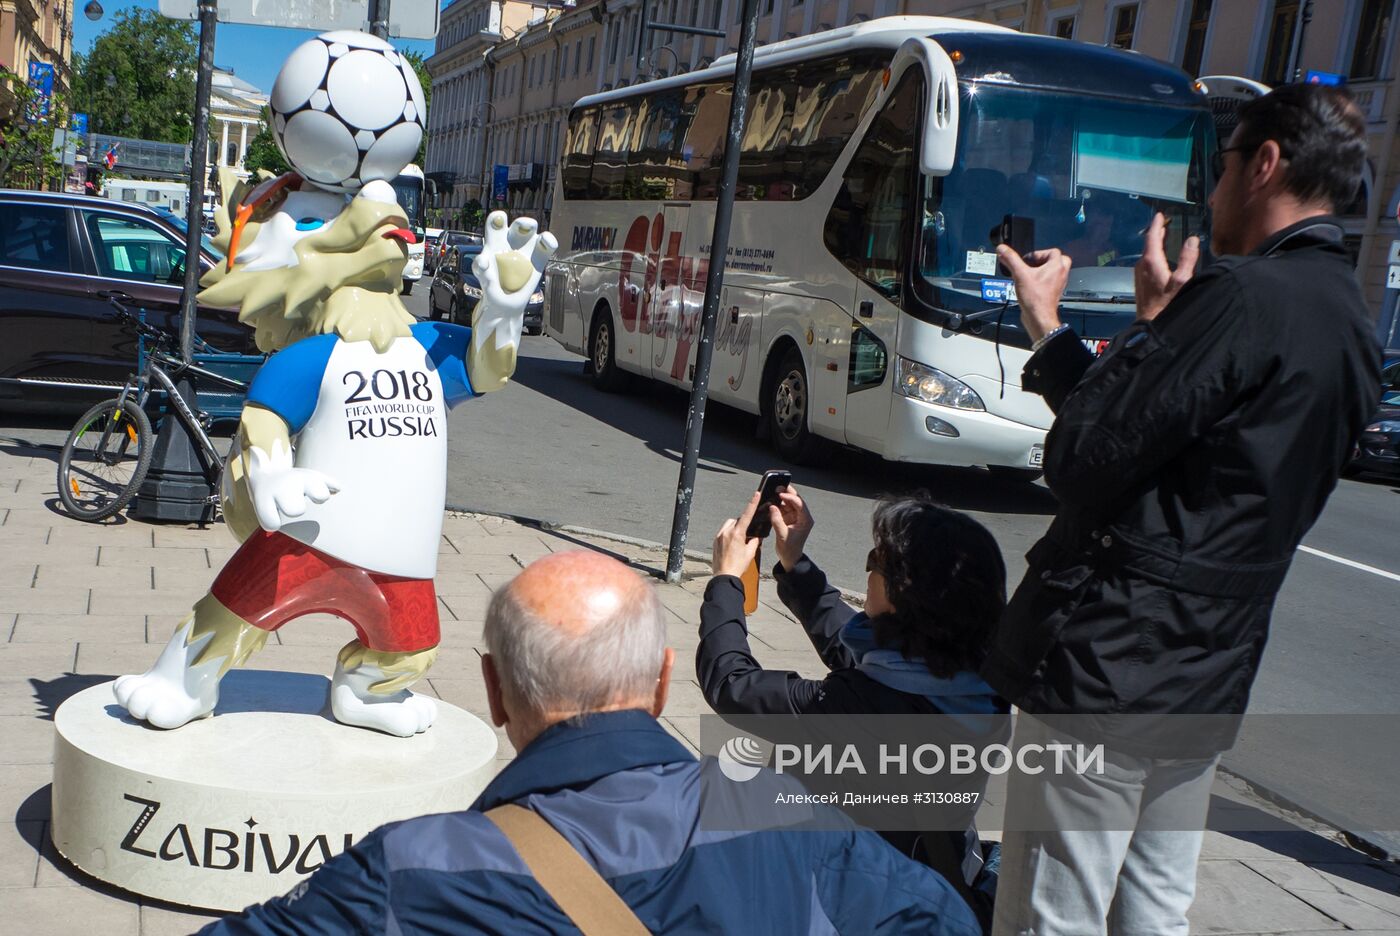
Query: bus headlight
{"type": "Point", "coordinates": [931, 385]}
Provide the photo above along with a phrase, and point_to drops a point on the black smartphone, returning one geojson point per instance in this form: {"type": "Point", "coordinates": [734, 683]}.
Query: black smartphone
{"type": "Point", "coordinates": [773, 482]}
{"type": "Point", "coordinates": [1016, 232]}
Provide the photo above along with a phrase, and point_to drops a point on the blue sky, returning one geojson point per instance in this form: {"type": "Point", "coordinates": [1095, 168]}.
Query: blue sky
{"type": "Point", "coordinates": [253, 52]}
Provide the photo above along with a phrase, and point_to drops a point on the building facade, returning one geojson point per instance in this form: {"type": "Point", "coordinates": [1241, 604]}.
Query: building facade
{"type": "Point", "coordinates": [235, 117]}
{"type": "Point", "coordinates": [38, 31]}
{"type": "Point", "coordinates": [528, 78]}
{"type": "Point", "coordinates": [463, 105]}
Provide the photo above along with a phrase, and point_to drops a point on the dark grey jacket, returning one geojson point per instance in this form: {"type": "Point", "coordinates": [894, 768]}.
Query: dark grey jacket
{"type": "Point", "coordinates": [1189, 461]}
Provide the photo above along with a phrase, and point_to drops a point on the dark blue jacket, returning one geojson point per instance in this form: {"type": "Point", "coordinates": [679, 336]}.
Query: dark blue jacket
{"type": "Point", "coordinates": [628, 796]}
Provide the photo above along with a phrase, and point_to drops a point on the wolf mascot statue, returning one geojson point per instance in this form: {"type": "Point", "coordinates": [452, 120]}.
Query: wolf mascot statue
{"type": "Point", "coordinates": [337, 481]}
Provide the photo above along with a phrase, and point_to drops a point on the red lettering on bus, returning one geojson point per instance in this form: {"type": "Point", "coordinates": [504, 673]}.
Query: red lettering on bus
{"type": "Point", "coordinates": [633, 248]}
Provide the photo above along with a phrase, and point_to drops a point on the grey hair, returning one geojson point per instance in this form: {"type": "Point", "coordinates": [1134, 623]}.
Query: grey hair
{"type": "Point", "coordinates": [546, 669]}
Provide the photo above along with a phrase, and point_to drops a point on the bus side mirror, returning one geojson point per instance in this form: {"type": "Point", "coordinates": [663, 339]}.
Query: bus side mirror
{"type": "Point", "coordinates": [940, 143]}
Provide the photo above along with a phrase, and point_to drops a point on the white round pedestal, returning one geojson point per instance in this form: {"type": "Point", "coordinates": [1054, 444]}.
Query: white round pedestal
{"type": "Point", "coordinates": [234, 809]}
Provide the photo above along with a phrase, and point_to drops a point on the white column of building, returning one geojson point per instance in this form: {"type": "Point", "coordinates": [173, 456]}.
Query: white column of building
{"type": "Point", "coordinates": [242, 144]}
{"type": "Point", "coordinates": [809, 15]}
{"type": "Point", "coordinates": [843, 13]}
{"type": "Point", "coordinates": [223, 146]}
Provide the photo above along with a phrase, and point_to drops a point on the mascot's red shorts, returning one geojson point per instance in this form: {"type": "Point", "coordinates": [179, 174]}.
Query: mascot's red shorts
{"type": "Point", "coordinates": [274, 578]}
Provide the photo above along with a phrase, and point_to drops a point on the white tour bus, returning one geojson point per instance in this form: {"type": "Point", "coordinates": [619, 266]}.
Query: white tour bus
{"type": "Point", "coordinates": [409, 187]}
{"type": "Point", "coordinates": [881, 164]}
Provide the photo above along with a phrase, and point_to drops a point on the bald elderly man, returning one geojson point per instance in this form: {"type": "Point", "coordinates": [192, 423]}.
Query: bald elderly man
{"type": "Point", "coordinates": [577, 672]}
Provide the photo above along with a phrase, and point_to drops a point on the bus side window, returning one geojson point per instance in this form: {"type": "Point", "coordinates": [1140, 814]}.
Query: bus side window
{"type": "Point", "coordinates": [762, 173]}
{"type": "Point", "coordinates": [827, 111]}
{"type": "Point", "coordinates": [869, 360]}
{"type": "Point", "coordinates": [866, 228]}
{"type": "Point", "coordinates": [650, 175]}
{"type": "Point", "coordinates": [578, 152]}
{"type": "Point", "coordinates": [615, 126]}
{"type": "Point", "coordinates": [707, 116]}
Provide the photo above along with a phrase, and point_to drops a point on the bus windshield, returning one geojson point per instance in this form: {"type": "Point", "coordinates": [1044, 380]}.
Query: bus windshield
{"type": "Point", "coordinates": [1086, 174]}
{"type": "Point", "coordinates": [409, 191]}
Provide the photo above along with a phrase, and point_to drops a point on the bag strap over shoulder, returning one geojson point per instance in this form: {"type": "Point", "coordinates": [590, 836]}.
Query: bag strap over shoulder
{"type": "Point", "coordinates": [578, 889]}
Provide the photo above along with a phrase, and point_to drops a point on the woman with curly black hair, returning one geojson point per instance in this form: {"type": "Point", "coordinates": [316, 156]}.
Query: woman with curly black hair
{"type": "Point", "coordinates": [936, 589]}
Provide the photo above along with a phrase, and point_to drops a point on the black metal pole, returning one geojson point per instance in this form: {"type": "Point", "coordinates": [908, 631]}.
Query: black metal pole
{"type": "Point", "coordinates": [379, 18]}
{"type": "Point", "coordinates": [714, 282]}
{"type": "Point", "coordinates": [199, 149]}
{"type": "Point", "coordinates": [175, 487]}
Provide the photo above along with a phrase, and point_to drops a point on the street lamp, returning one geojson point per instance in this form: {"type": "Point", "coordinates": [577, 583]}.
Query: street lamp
{"type": "Point", "coordinates": [93, 10]}
{"type": "Point", "coordinates": [653, 71]}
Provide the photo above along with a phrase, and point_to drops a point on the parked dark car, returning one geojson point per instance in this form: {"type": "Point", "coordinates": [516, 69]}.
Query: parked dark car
{"type": "Point", "coordinates": [62, 257]}
{"type": "Point", "coordinates": [456, 291]}
{"type": "Point", "coordinates": [1378, 449]}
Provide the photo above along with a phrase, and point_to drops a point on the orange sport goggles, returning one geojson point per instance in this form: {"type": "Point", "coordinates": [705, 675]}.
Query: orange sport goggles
{"type": "Point", "coordinates": [261, 201]}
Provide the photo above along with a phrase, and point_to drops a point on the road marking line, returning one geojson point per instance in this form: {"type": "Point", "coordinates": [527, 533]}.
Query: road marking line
{"type": "Point", "coordinates": [1349, 562]}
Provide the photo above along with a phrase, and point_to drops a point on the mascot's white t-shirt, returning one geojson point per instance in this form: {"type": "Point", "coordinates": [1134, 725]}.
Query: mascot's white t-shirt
{"type": "Point", "coordinates": [376, 424]}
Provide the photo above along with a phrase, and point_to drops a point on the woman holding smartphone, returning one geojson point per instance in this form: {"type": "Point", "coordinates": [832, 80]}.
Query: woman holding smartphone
{"type": "Point", "coordinates": [936, 588]}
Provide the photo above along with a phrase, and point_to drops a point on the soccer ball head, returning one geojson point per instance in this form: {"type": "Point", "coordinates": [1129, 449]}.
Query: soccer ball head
{"type": "Point", "coordinates": [347, 109]}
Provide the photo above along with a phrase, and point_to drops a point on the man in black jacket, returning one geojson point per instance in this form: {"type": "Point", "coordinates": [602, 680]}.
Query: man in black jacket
{"type": "Point", "coordinates": [1189, 460]}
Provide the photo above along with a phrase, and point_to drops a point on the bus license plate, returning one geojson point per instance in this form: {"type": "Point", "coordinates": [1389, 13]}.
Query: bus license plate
{"type": "Point", "coordinates": [1037, 456]}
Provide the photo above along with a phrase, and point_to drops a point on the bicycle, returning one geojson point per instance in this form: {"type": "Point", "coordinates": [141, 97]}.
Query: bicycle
{"type": "Point", "coordinates": [108, 452]}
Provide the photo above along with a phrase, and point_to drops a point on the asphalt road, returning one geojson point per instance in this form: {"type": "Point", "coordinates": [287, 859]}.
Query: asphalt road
{"type": "Point", "coordinates": [550, 446]}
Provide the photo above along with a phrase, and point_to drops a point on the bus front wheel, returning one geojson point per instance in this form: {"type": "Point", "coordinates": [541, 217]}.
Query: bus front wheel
{"type": "Point", "coordinates": [789, 403]}
{"type": "Point", "coordinates": [602, 351]}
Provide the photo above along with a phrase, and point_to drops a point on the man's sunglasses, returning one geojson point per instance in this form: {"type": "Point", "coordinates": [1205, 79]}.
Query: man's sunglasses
{"type": "Point", "coordinates": [1217, 159]}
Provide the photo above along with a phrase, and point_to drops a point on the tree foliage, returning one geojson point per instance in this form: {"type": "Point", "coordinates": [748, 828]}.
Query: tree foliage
{"type": "Point", "coordinates": [138, 78]}
{"type": "Point", "coordinates": [426, 80]}
{"type": "Point", "coordinates": [27, 154]}
{"type": "Point", "coordinates": [263, 152]}
{"type": "Point", "coordinates": [472, 216]}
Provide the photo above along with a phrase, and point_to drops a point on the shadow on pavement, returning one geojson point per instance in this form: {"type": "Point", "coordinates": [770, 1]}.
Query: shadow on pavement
{"type": "Point", "coordinates": [1252, 826]}
{"type": "Point", "coordinates": [49, 694]}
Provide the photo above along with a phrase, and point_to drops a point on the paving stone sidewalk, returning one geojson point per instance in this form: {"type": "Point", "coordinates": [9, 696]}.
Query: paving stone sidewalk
{"type": "Point", "coordinates": [83, 603]}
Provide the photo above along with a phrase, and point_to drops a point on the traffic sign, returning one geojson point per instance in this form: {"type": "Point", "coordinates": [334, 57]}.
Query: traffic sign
{"type": "Point", "coordinates": [1392, 278]}
{"type": "Point", "coordinates": [408, 19]}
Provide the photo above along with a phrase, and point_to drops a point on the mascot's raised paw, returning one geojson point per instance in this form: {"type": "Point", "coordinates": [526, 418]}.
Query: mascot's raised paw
{"type": "Point", "coordinates": [509, 267]}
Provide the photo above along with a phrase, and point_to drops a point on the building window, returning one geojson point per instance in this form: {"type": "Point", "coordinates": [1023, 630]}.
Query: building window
{"type": "Point", "coordinates": [589, 69]}
{"type": "Point", "coordinates": [714, 14]}
{"type": "Point", "coordinates": [1282, 25]}
{"type": "Point", "coordinates": [767, 7]}
{"type": "Point", "coordinates": [1124, 26]}
{"type": "Point", "coordinates": [1196, 28]}
{"type": "Point", "coordinates": [1064, 27]}
{"type": "Point", "coordinates": [1372, 33]}
{"type": "Point", "coordinates": [564, 64]}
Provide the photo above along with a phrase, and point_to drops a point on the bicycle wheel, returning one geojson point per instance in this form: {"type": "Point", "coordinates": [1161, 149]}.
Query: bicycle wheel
{"type": "Point", "coordinates": [97, 478]}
